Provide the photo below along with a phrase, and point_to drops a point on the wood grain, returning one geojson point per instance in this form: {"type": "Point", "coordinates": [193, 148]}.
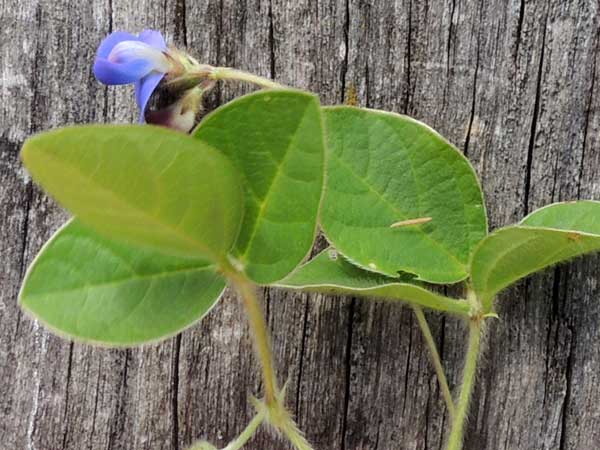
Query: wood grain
{"type": "Point", "coordinates": [512, 83]}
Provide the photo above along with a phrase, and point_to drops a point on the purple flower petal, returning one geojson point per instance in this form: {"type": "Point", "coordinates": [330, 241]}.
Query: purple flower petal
{"type": "Point", "coordinates": [128, 51]}
{"type": "Point", "coordinates": [111, 40]}
{"type": "Point", "coordinates": [144, 89]}
{"type": "Point", "coordinates": [129, 61]}
{"type": "Point", "coordinates": [108, 72]}
{"type": "Point", "coordinates": [153, 38]}
{"type": "Point", "coordinates": [123, 58]}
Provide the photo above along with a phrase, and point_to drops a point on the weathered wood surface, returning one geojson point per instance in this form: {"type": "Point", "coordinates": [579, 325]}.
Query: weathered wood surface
{"type": "Point", "coordinates": [511, 82]}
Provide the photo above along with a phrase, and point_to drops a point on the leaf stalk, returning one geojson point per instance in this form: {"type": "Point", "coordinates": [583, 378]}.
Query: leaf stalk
{"type": "Point", "coordinates": [274, 410]}
{"type": "Point", "coordinates": [258, 325]}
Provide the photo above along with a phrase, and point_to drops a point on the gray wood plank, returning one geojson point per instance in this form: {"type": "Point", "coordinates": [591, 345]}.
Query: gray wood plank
{"type": "Point", "coordinates": [84, 397]}
{"type": "Point", "coordinates": [513, 84]}
{"type": "Point", "coordinates": [15, 119]}
{"type": "Point", "coordinates": [540, 337]}
{"type": "Point", "coordinates": [38, 361]}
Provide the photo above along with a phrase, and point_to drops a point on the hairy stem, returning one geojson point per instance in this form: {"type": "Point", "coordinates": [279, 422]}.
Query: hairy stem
{"type": "Point", "coordinates": [436, 360]}
{"type": "Point", "coordinates": [247, 291]}
{"type": "Point", "coordinates": [455, 440]}
{"type": "Point", "coordinates": [248, 432]}
{"type": "Point", "coordinates": [274, 410]}
{"type": "Point", "coordinates": [295, 436]}
{"type": "Point", "coordinates": [226, 73]}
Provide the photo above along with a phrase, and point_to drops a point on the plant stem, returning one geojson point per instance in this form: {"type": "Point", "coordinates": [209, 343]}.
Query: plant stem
{"type": "Point", "coordinates": [247, 291]}
{"type": "Point", "coordinates": [455, 440]}
{"type": "Point", "coordinates": [226, 73]}
{"type": "Point", "coordinates": [274, 410]}
{"type": "Point", "coordinates": [248, 432]}
{"type": "Point", "coordinates": [295, 436]}
{"type": "Point", "coordinates": [436, 360]}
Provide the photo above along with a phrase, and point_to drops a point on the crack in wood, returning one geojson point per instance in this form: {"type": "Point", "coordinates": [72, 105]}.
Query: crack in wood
{"type": "Point", "coordinates": [536, 108]}
{"type": "Point", "coordinates": [474, 94]}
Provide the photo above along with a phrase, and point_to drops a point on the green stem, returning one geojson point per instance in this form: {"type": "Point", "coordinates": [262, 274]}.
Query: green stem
{"type": "Point", "coordinates": [275, 412]}
{"type": "Point", "coordinates": [436, 360]}
{"type": "Point", "coordinates": [248, 432]}
{"type": "Point", "coordinates": [226, 73]}
{"type": "Point", "coordinates": [247, 291]}
{"type": "Point", "coordinates": [455, 440]}
{"type": "Point", "coordinates": [290, 430]}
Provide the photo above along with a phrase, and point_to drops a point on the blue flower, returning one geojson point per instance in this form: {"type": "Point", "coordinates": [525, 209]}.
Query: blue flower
{"type": "Point", "coordinates": [123, 58]}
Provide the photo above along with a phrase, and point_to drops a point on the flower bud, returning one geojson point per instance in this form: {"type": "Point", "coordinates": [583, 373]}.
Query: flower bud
{"type": "Point", "coordinates": [181, 115]}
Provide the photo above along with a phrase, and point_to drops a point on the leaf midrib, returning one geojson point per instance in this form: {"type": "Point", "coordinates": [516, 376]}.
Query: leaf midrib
{"type": "Point", "coordinates": [278, 172]}
{"type": "Point", "coordinates": [487, 274]}
{"type": "Point", "coordinates": [119, 281]}
{"type": "Point", "coordinates": [397, 210]}
{"type": "Point", "coordinates": [536, 230]}
{"type": "Point", "coordinates": [144, 214]}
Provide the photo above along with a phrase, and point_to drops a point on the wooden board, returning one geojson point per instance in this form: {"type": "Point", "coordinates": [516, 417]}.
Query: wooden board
{"type": "Point", "coordinates": [512, 83]}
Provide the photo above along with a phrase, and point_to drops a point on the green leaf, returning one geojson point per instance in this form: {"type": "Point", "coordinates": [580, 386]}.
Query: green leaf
{"type": "Point", "coordinates": [548, 236]}
{"type": "Point", "coordinates": [148, 185]}
{"type": "Point", "coordinates": [385, 168]}
{"type": "Point", "coordinates": [275, 138]}
{"type": "Point", "coordinates": [103, 291]}
{"type": "Point", "coordinates": [331, 273]}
